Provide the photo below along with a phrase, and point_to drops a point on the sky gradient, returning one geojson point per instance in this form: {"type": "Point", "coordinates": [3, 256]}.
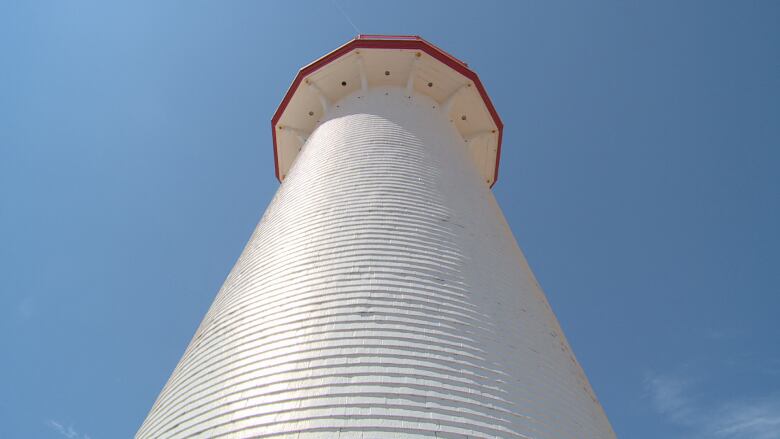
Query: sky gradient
{"type": "Point", "coordinates": [639, 173]}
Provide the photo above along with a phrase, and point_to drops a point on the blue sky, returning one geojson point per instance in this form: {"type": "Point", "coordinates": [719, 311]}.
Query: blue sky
{"type": "Point", "coordinates": [639, 174]}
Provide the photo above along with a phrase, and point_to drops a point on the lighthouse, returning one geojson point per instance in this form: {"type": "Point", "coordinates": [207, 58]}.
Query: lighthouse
{"type": "Point", "coordinates": [382, 294]}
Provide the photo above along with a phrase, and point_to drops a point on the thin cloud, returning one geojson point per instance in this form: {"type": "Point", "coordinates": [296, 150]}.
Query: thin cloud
{"type": "Point", "coordinates": [722, 334]}
{"type": "Point", "coordinates": [673, 397]}
{"type": "Point", "coordinates": [68, 432]}
{"type": "Point", "coordinates": [669, 396]}
{"type": "Point", "coordinates": [757, 419]}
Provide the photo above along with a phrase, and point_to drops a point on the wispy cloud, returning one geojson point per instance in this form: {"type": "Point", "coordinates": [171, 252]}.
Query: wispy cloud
{"type": "Point", "coordinates": [68, 432]}
{"type": "Point", "coordinates": [669, 395]}
{"type": "Point", "coordinates": [674, 397]}
{"type": "Point", "coordinates": [757, 419]}
{"type": "Point", "coordinates": [722, 334]}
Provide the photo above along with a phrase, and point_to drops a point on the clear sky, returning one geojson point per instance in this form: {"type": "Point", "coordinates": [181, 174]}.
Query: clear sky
{"type": "Point", "coordinates": [640, 175]}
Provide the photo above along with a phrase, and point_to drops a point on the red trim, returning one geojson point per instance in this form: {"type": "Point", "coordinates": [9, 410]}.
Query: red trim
{"type": "Point", "coordinates": [387, 37]}
{"type": "Point", "coordinates": [410, 42]}
{"type": "Point", "coordinates": [498, 155]}
{"type": "Point", "coordinates": [276, 154]}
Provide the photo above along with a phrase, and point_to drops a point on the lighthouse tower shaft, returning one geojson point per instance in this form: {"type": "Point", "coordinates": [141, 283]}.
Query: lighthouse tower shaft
{"type": "Point", "coordinates": [381, 295]}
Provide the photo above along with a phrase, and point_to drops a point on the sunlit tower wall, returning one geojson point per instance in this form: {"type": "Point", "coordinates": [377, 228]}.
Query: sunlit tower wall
{"type": "Point", "coordinates": [382, 294]}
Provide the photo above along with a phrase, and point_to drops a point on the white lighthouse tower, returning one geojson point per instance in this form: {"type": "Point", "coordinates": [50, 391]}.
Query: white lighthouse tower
{"type": "Point", "coordinates": [382, 295]}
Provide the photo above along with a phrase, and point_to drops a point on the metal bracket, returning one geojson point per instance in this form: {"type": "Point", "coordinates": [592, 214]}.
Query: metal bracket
{"type": "Point", "coordinates": [476, 136]}
{"type": "Point", "coordinates": [323, 99]}
{"type": "Point", "coordinates": [410, 79]}
{"type": "Point", "coordinates": [447, 105]}
{"type": "Point", "coordinates": [363, 78]}
{"type": "Point", "coordinates": [300, 134]}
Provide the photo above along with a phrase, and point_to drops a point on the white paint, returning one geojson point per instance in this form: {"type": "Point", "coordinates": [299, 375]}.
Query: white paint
{"type": "Point", "coordinates": [324, 102]}
{"type": "Point", "coordinates": [446, 107]}
{"type": "Point", "coordinates": [410, 77]}
{"type": "Point", "coordinates": [363, 77]}
{"type": "Point", "coordinates": [382, 295]}
{"type": "Point", "coordinates": [362, 71]}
